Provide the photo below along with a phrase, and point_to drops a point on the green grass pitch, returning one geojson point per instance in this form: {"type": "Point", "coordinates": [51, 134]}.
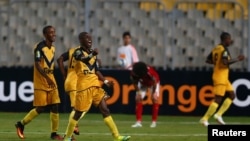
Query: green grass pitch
{"type": "Point", "coordinates": [92, 127]}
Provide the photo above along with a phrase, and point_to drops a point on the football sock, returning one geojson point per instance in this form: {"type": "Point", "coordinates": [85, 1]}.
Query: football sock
{"type": "Point", "coordinates": [224, 107]}
{"type": "Point", "coordinates": [70, 128]}
{"type": "Point", "coordinates": [30, 116]}
{"type": "Point", "coordinates": [210, 111]}
{"type": "Point", "coordinates": [54, 118]}
{"type": "Point", "coordinates": [112, 126]}
{"type": "Point", "coordinates": [138, 111]}
{"type": "Point", "coordinates": [71, 115]}
{"type": "Point", "coordinates": [155, 109]}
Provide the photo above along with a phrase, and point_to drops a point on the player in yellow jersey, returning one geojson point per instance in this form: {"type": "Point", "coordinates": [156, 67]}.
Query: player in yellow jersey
{"type": "Point", "coordinates": [45, 87]}
{"type": "Point", "coordinates": [221, 59]}
{"type": "Point", "coordinates": [89, 90]}
{"type": "Point", "coordinates": [70, 79]}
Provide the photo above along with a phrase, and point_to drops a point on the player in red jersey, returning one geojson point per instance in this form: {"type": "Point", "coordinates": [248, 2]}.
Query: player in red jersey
{"type": "Point", "coordinates": [145, 78]}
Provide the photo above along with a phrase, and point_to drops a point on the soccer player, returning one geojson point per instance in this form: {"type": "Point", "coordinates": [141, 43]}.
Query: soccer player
{"type": "Point", "coordinates": [70, 79]}
{"type": "Point", "coordinates": [145, 78]}
{"type": "Point", "coordinates": [45, 87]}
{"type": "Point", "coordinates": [126, 54]}
{"type": "Point", "coordinates": [221, 59]}
{"type": "Point", "coordinates": [89, 90]}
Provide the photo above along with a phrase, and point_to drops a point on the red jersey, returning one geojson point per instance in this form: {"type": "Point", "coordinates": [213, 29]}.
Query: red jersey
{"type": "Point", "coordinates": [151, 77]}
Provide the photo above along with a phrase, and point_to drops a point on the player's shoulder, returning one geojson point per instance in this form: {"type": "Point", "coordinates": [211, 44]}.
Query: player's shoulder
{"type": "Point", "coordinates": [78, 51]}
{"type": "Point", "coordinates": [40, 45]}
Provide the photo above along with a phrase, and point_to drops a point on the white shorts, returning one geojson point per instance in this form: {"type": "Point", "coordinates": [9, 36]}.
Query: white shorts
{"type": "Point", "coordinates": [143, 90]}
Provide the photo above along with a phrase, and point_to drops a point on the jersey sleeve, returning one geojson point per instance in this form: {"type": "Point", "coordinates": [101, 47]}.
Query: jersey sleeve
{"type": "Point", "coordinates": [225, 54]}
{"type": "Point", "coordinates": [65, 56]}
{"type": "Point", "coordinates": [38, 54]}
{"type": "Point", "coordinates": [78, 54]}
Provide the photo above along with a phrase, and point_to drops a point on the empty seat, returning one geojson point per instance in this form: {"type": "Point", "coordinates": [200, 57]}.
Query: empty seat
{"type": "Point", "coordinates": [156, 32]}
{"type": "Point", "coordinates": [138, 13]}
{"type": "Point", "coordinates": [203, 42]}
{"type": "Point", "coordinates": [116, 32]}
{"type": "Point", "coordinates": [148, 23]}
{"type": "Point", "coordinates": [169, 4]}
{"type": "Point", "coordinates": [184, 42]}
{"type": "Point", "coordinates": [137, 32]}
{"type": "Point", "coordinates": [110, 21]}
{"type": "Point", "coordinates": [186, 6]}
{"type": "Point", "coordinates": [111, 5]}
{"type": "Point", "coordinates": [178, 62]}
{"type": "Point", "coordinates": [234, 14]}
{"type": "Point", "coordinates": [157, 14]}
{"type": "Point", "coordinates": [101, 13]}
{"type": "Point", "coordinates": [223, 24]}
{"type": "Point", "coordinates": [15, 22]}
{"type": "Point", "coordinates": [175, 32]}
{"type": "Point", "coordinates": [213, 14]}
{"type": "Point", "coordinates": [184, 23]}
{"type": "Point", "coordinates": [191, 51]}
{"type": "Point", "coordinates": [99, 32]}
{"type": "Point", "coordinates": [224, 6]}
{"type": "Point", "coordinates": [212, 32]}
{"type": "Point", "coordinates": [195, 14]}
{"type": "Point", "coordinates": [130, 5]}
{"type": "Point", "coordinates": [120, 14]}
{"type": "Point", "coordinates": [205, 6]}
{"type": "Point", "coordinates": [176, 14]}
{"type": "Point", "coordinates": [194, 33]}
{"type": "Point", "coordinates": [203, 23]}
{"type": "Point", "coordinates": [33, 22]}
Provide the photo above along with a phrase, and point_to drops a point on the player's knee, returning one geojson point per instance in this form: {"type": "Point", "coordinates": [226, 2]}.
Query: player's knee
{"type": "Point", "coordinates": [54, 108]}
{"type": "Point", "coordinates": [232, 96]}
{"type": "Point", "coordinates": [77, 115]}
{"type": "Point", "coordinates": [40, 109]}
{"type": "Point", "coordinates": [105, 112]}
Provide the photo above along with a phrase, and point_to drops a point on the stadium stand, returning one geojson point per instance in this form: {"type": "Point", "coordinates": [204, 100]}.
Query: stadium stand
{"type": "Point", "coordinates": [162, 30]}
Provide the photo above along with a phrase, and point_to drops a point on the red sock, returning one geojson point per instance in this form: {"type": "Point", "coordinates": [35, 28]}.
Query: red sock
{"type": "Point", "coordinates": [155, 109]}
{"type": "Point", "coordinates": [138, 111]}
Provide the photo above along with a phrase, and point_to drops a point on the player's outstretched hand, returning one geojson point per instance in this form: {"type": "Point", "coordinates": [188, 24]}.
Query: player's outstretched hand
{"type": "Point", "coordinates": [241, 57]}
{"type": "Point", "coordinates": [95, 52]}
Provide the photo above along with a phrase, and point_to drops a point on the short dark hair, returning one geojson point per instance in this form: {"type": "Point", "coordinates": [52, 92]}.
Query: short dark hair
{"type": "Point", "coordinates": [224, 35]}
{"type": "Point", "coordinates": [45, 29]}
{"type": "Point", "coordinates": [127, 33]}
{"type": "Point", "coordinates": [140, 69]}
{"type": "Point", "coordinates": [82, 34]}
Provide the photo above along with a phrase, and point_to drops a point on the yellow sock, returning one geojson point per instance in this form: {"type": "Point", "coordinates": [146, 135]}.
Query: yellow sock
{"type": "Point", "coordinates": [70, 128]}
{"type": "Point", "coordinates": [54, 118]}
{"type": "Point", "coordinates": [30, 116]}
{"type": "Point", "coordinates": [226, 104]}
{"type": "Point", "coordinates": [210, 111]}
{"type": "Point", "coordinates": [71, 115]}
{"type": "Point", "coordinates": [112, 126]}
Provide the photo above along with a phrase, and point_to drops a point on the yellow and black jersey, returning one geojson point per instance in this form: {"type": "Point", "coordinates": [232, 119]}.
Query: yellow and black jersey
{"type": "Point", "coordinates": [86, 70]}
{"type": "Point", "coordinates": [71, 80]}
{"type": "Point", "coordinates": [220, 71]}
{"type": "Point", "coordinates": [45, 56]}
